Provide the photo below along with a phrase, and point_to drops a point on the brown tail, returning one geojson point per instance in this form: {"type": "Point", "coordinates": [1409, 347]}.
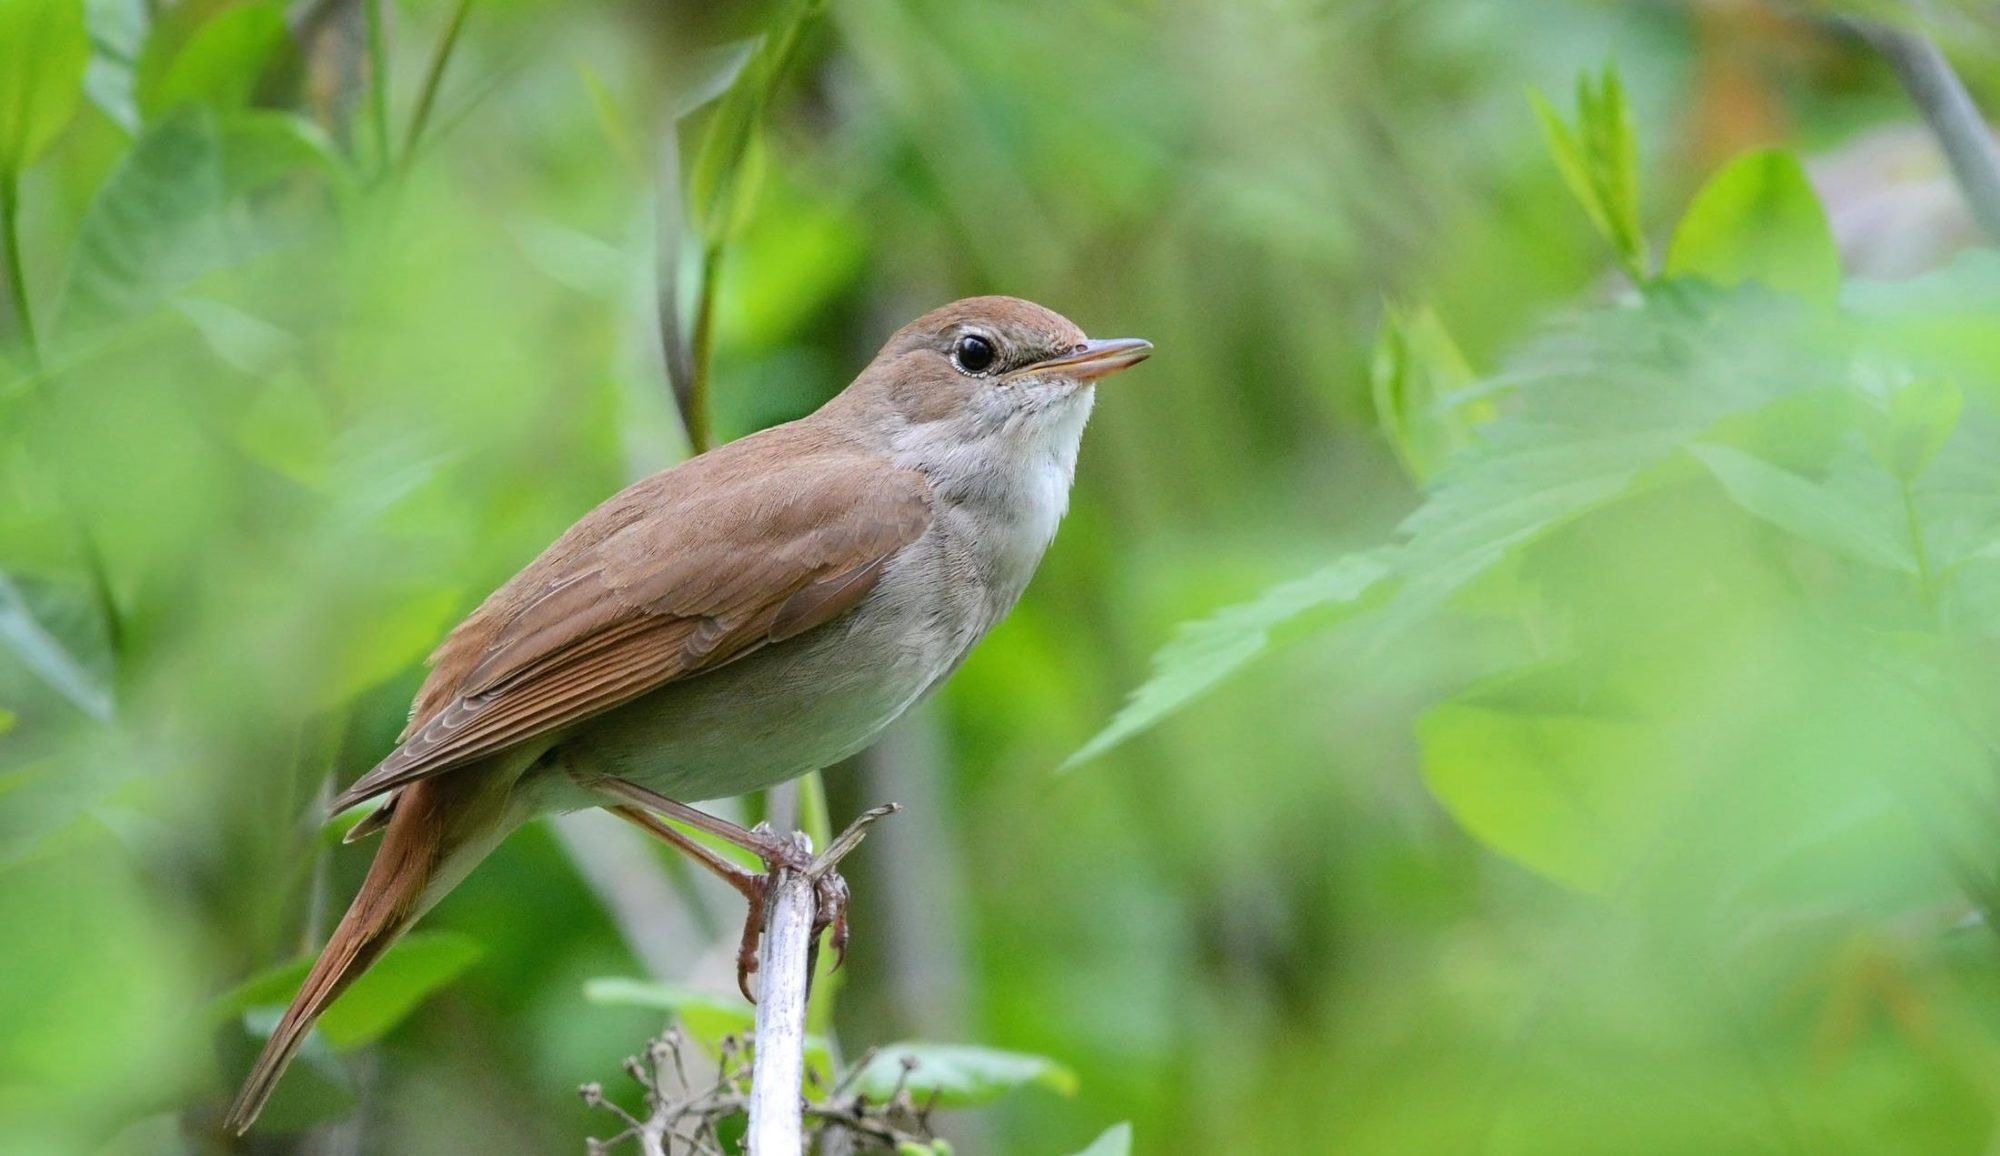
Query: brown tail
{"type": "Point", "coordinates": [427, 831]}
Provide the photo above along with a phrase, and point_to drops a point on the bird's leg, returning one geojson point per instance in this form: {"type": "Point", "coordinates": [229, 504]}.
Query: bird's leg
{"type": "Point", "coordinates": [642, 808]}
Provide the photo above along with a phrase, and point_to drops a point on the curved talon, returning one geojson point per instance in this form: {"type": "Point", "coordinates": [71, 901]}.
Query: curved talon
{"type": "Point", "coordinates": [832, 897]}
{"type": "Point", "coordinates": [636, 804]}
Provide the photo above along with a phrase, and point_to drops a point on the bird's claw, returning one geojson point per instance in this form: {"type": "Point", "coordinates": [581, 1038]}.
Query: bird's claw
{"type": "Point", "coordinates": [830, 894]}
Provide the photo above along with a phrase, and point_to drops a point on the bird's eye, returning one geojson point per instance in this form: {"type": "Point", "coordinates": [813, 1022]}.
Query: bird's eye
{"type": "Point", "coordinates": [973, 353]}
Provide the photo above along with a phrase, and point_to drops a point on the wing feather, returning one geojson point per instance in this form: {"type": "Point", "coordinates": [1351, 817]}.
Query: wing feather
{"type": "Point", "coordinates": [677, 575]}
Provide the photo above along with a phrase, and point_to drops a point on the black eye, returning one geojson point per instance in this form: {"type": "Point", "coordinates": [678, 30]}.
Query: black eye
{"type": "Point", "coordinates": [973, 353]}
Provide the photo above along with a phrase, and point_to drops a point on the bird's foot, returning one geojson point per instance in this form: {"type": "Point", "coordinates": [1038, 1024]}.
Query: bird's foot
{"type": "Point", "coordinates": [779, 854]}
{"type": "Point", "coordinates": [830, 893]}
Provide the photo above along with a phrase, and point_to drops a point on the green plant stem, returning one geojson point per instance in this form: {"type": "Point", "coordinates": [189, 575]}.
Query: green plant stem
{"type": "Point", "coordinates": [24, 320]}
{"type": "Point", "coordinates": [1919, 550]}
{"type": "Point", "coordinates": [702, 346]}
{"type": "Point", "coordinates": [433, 80]}
{"type": "Point", "coordinates": [17, 276]}
{"type": "Point", "coordinates": [378, 84]}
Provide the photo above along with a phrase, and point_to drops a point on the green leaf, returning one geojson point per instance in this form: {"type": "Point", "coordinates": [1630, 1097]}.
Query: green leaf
{"type": "Point", "coordinates": [222, 64]}
{"type": "Point", "coordinates": [1599, 161]}
{"type": "Point", "coordinates": [1539, 766]}
{"type": "Point", "coordinates": [1416, 369]}
{"type": "Point", "coordinates": [1758, 220]}
{"type": "Point", "coordinates": [154, 227]}
{"type": "Point", "coordinates": [1116, 1141]}
{"type": "Point", "coordinates": [41, 653]}
{"type": "Point", "coordinates": [118, 33]}
{"type": "Point", "coordinates": [959, 1074]}
{"type": "Point", "coordinates": [1203, 653]}
{"type": "Point", "coordinates": [383, 997]}
{"type": "Point", "coordinates": [1807, 509]}
{"type": "Point", "coordinates": [261, 147]}
{"type": "Point", "coordinates": [1598, 403]}
{"type": "Point", "coordinates": [728, 166]}
{"type": "Point", "coordinates": [707, 1016]}
{"type": "Point", "coordinates": [1907, 421]}
{"type": "Point", "coordinates": [44, 51]}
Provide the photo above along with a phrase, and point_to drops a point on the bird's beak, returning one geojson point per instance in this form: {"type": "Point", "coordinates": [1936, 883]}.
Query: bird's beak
{"type": "Point", "coordinates": [1093, 359]}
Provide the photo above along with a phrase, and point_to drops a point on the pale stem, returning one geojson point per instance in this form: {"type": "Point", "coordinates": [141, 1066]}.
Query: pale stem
{"type": "Point", "coordinates": [777, 1078]}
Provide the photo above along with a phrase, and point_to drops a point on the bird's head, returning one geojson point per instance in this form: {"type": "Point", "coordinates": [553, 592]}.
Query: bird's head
{"type": "Point", "coordinates": [987, 373]}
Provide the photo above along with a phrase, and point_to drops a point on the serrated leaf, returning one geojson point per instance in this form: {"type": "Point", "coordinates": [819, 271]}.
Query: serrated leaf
{"type": "Point", "coordinates": [959, 1074]}
{"type": "Point", "coordinates": [1204, 653]}
{"type": "Point", "coordinates": [406, 975]}
{"type": "Point", "coordinates": [1116, 1141]}
{"type": "Point", "coordinates": [44, 51]}
{"type": "Point", "coordinates": [1758, 220]}
{"type": "Point", "coordinates": [1544, 775]}
{"type": "Point", "coordinates": [1596, 404]}
{"type": "Point", "coordinates": [117, 31]}
{"type": "Point", "coordinates": [1806, 509]}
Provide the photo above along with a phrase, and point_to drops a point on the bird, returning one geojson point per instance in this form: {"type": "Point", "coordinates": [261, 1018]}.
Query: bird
{"type": "Point", "coordinates": [752, 614]}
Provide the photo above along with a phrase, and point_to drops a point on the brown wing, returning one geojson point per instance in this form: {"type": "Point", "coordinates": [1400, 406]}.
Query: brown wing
{"type": "Point", "coordinates": [677, 575]}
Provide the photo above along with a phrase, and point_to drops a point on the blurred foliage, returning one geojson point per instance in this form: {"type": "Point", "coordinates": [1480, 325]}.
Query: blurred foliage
{"type": "Point", "coordinates": [1605, 765]}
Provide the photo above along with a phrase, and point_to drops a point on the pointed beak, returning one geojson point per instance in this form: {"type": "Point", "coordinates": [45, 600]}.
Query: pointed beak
{"type": "Point", "coordinates": [1093, 359]}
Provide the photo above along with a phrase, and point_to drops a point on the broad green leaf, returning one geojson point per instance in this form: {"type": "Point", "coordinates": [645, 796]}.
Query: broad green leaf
{"type": "Point", "coordinates": [1758, 220]}
{"type": "Point", "coordinates": [1596, 405]}
{"type": "Point", "coordinates": [44, 51]}
{"type": "Point", "coordinates": [154, 227]}
{"type": "Point", "coordinates": [383, 997]}
{"type": "Point", "coordinates": [222, 64]}
{"type": "Point", "coordinates": [1204, 653]}
{"type": "Point", "coordinates": [1599, 161]}
{"type": "Point", "coordinates": [1415, 369]}
{"type": "Point", "coordinates": [1116, 1141]}
{"type": "Point", "coordinates": [1541, 769]}
{"type": "Point", "coordinates": [263, 146]}
{"type": "Point", "coordinates": [959, 1074]}
{"type": "Point", "coordinates": [43, 654]}
{"type": "Point", "coordinates": [1806, 509]}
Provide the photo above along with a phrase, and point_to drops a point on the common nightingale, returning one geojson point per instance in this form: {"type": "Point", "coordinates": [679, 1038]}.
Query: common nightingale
{"type": "Point", "coordinates": [754, 613]}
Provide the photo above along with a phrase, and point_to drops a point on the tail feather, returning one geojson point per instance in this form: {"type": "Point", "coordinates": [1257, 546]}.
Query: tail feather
{"type": "Point", "coordinates": [398, 890]}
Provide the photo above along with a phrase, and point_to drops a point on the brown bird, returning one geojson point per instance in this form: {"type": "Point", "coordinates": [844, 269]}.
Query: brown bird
{"type": "Point", "coordinates": [755, 613]}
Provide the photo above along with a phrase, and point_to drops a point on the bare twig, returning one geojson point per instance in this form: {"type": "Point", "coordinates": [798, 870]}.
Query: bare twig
{"type": "Point", "coordinates": [777, 1080]}
{"type": "Point", "coordinates": [1948, 108]}
{"type": "Point", "coordinates": [793, 918]}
